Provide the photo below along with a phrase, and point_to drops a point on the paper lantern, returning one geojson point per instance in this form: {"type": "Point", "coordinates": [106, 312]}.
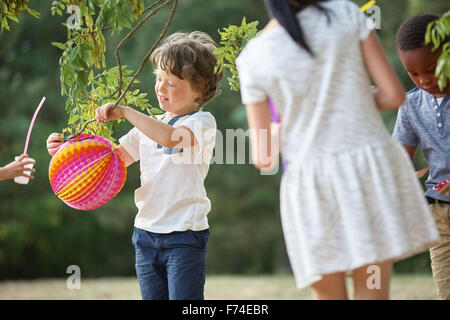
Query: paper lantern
{"type": "Point", "coordinates": [87, 171]}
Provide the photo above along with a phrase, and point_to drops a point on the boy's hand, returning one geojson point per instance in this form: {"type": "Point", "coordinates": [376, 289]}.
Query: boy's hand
{"type": "Point", "coordinates": [54, 141]}
{"type": "Point", "coordinates": [105, 113]}
{"type": "Point", "coordinates": [445, 189]}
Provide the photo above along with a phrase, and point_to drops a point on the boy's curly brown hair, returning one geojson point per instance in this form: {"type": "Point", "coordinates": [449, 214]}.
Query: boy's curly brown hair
{"type": "Point", "coordinates": [190, 56]}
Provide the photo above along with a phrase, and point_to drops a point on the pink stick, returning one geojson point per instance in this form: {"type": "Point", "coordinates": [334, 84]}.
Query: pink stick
{"type": "Point", "coordinates": [32, 123]}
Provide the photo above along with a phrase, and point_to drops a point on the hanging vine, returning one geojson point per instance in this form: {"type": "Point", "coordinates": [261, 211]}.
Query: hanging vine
{"type": "Point", "coordinates": [11, 10]}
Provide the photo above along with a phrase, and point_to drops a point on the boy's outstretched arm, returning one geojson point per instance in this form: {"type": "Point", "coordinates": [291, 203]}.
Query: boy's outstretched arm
{"type": "Point", "coordinates": [161, 133]}
{"type": "Point", "coordinates": [390, 93]}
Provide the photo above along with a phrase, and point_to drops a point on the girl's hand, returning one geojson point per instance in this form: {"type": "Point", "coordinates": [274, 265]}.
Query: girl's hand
{"type": "Point", "coordinates": [16, 169]}
{"type": "Point", "coordinates": [54, 141]}
{"type": "Point", "coordinates": [105, 113]}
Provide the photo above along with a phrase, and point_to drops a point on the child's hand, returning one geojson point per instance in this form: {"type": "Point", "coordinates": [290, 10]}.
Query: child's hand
{"type": "Point", "coordinates": [445, 189]}
{"type": "Point", "coordinates": [54, 141]}
{"type": "Point", "coordinates": [16, 169]}
{"type": "Point", "coordinates": [421, 172]}
{"type": "Point", "coordinates": [105, 113]}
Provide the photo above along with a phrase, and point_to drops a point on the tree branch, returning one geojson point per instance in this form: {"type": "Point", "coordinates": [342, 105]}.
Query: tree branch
{"type": "Point", "coordinates": [143, 12]}
{"type": "Point", "coordinates": [147, 56]}
{"type": "Point", "coordinates": [133, 31]}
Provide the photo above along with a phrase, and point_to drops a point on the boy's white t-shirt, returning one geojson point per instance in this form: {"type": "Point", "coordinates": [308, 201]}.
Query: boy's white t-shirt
{"type": "Point", "coordinates": [172, 196]}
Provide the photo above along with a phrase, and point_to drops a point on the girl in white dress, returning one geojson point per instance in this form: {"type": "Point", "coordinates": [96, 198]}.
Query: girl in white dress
{"type": "Point", "coordinates": [350, 201]}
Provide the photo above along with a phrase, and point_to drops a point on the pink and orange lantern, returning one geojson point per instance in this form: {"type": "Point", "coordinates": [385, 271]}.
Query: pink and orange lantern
{"type": "Point", "coordinates": [87, 171]}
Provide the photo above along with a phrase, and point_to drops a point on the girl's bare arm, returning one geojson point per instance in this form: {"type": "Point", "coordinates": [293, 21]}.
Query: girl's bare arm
{"type": "Point", "coordinates": [259, 123]}
{"type": "Point", "coordinates": [389, 93]}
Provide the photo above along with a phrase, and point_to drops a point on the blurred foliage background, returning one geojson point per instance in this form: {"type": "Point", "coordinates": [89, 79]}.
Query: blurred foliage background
{"type": "Point", "coordinates": [40, 236]}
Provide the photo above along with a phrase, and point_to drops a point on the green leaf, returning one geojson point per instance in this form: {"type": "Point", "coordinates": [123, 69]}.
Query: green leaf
{"type": "Point", "coordinates": [116, 125]}
{"type": "Point", "coordinates": [59, 45]}
{"type": "Point", "coordinates": [73, 119]}
{"type": "Point", "coordinates": [86, 47]}
{"type": "Point", "coordinates": [34, 13]}
{"type": "Point", "coordinates": [442, 83]}
{"type": "Point", "coordinates": [156, 111]}
{"type": "Point", "coordinates": [91, 76]}
{"type": "Point", "coordinates": [73, 54]}
{"type": "Point", "coordinates": [440, 66]}
{"type": "Point", "coordinates": [11, 17]}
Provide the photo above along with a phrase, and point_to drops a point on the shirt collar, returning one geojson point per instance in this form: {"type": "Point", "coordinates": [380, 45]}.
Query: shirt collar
{"type": "Point", "coordinates": [432, 99]}
{"type": "Point", "coordinates": [172, 121]}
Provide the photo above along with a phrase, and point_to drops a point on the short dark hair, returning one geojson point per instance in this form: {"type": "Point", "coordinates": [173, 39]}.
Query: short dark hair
{"type": "Point", "coordinates": [411, 34]}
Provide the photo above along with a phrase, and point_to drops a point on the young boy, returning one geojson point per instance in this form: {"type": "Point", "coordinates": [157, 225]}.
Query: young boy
{"type": "Point", "coordinates": [171, 228]}
{"type": "Point", "coordinates": [424, 120]}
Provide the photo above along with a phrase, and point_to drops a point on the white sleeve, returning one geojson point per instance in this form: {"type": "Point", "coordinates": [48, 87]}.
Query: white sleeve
{"type": "Point", "coordinates": [130, 142]}
{"type": "Point", "coordinates": [251, 91]}
{"type": "Point", "coordinates": [203, 126]}
{"type": "Point", "coordinates": [363, 23]}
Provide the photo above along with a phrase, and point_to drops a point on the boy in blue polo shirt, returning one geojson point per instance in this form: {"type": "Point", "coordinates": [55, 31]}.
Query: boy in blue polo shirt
{"type": "Point", "coordinates": [424, 120]}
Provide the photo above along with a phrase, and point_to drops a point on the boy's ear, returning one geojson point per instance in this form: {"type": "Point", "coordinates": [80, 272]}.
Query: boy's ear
{"type": "Point", "coordinates": [197, 94]}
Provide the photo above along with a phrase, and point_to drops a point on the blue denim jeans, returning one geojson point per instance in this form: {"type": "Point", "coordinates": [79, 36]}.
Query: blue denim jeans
{"type": "Point", "coordinates": [171, 266]}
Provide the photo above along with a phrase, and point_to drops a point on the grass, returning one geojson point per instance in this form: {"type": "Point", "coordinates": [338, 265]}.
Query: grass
{"type": "Point", "coordinates": [223, 287]}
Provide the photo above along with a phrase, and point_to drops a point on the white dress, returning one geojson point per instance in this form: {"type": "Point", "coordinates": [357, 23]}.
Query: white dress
{"type": "Point", "coordinates": [349, 196]}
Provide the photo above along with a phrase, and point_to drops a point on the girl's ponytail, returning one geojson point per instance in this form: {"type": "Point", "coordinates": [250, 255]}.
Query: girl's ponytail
{"type": "Point", "coordinates": [285, 12]}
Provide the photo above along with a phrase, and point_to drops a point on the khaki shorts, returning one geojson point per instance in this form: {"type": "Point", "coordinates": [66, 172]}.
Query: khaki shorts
{"type": "Point", "coordinates": [440, 253]}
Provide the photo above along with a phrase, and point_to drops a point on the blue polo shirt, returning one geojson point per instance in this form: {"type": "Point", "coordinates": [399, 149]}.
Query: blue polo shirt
{"type": "Point", "coordinates": [424, 121]}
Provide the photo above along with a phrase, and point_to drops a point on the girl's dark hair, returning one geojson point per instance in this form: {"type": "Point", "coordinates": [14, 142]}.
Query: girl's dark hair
{"type": "Point", "coordinates": [285, 12]}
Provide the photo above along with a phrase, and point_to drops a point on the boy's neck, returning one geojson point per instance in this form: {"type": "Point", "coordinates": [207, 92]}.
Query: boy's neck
{"type": "Point", "coordinates": [170, 115]}
{"type": "Point", "coordinates": [441, 95]}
